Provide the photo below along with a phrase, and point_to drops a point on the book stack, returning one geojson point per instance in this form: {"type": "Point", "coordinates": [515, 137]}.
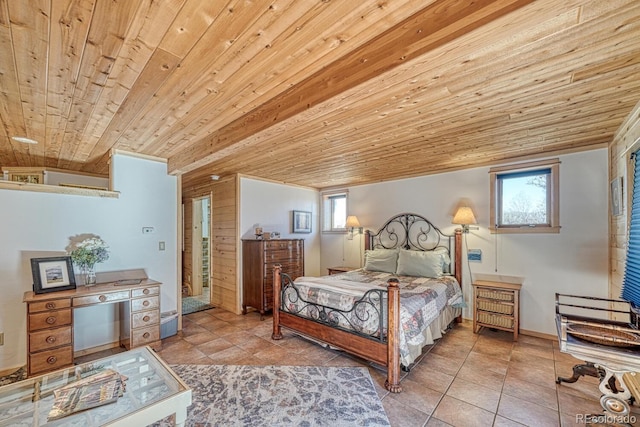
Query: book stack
{"type": "Point", "coordinates": [95, 390]}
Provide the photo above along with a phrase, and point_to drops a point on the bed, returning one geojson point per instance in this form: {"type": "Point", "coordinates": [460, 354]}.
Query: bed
{"type": "Point", "coordinates": [387, 311]}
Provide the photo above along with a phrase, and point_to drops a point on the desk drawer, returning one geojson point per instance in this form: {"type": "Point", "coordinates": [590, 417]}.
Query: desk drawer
{"type": "Point", "coordinates": [49, 319]}
{"type": "Point", "coordinates": [145, 336]}
{"type": "Point", "coordinates": [50, 360]}
{"type": "Point", "coordinates": [145, 318]}
{"type": "Point", "coordinates": [99, 299]}
{"type": "Point", "coordinates": [145, 303]}
{"type": "Point", "coordinates": [36, 307]}
{"type": "Point", "coordinates": [142, 292]}
{"type": "Point", "coordinates": [47, 339]}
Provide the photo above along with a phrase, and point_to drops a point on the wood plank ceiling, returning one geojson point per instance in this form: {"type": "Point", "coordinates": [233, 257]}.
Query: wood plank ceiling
{"type": "Point", "coordinates": [320, 93]}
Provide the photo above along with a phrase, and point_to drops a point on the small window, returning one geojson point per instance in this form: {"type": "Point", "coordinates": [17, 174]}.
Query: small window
{"type": "Point", "coordinates": [334, 212]}
{"type": "Point", "coordinates": [524, 198]}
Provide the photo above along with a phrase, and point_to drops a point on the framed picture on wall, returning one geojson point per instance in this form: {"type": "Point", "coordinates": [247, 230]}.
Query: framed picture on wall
{"type": "Point", "coordinates": [301, 222]}
{"type": "Point", "coordinates": [52, 274]}
{"type": "Point", "coordinates": [616, 196]}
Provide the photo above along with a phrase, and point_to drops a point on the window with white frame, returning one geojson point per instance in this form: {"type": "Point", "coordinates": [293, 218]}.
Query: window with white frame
{"type": "Point", "coordinates": [525, 198]}
{"type": "Point", "coordinates": [334, 211]}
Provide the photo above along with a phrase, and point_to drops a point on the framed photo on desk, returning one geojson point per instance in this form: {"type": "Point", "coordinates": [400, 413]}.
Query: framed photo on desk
{"type": "Point", "coordinates": [52, 274]}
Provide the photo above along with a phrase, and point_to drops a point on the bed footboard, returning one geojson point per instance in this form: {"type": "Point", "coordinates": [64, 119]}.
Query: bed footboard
{"type": "Point", "coordinates": [380, 346]}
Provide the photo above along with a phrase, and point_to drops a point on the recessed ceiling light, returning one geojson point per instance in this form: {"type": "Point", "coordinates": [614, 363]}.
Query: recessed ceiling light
{"type": "Point", "coordinates": [215, 177]}
{"type": "Point", "coordinates": [24, 139]}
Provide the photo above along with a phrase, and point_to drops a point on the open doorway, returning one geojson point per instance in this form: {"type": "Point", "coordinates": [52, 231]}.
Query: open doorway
{"type": "Point", "coordinates": [198, 296]}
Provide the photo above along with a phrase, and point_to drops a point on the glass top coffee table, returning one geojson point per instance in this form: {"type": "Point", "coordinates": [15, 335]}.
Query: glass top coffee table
{"type": "Point", "coordinates": [153, 392]}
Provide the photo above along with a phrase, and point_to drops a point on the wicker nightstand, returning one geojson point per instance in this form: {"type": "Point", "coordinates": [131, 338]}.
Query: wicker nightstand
{"type": "Point", "coordinates": [496, 305]}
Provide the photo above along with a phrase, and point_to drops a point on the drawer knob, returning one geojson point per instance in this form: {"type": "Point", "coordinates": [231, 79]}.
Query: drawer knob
{"type": "Point", "coordinates": [50, 305]}
{"type": "Point", "coordinates": [146, 335]}
{"type": "Point", "coordinates": [51, 320]}
{"type": "Point", "coordinates": [146, 303]}
{"type": "Point", "coordinates": [146, 318]}
{"type": "Point", "coordinates": [102, 298]}
{"type": "Point", "coordinates": [51, 360]}
{"type": "Point", "coordinates": [146, 291]}
{"type": "Point", "coordinates": [50, 339]}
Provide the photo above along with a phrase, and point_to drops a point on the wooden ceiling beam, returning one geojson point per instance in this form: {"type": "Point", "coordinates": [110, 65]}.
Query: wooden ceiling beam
{"type": "Point", "coordinates": [437, 24]}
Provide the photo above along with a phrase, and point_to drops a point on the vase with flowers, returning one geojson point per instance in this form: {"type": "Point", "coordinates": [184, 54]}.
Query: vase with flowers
{"type": "Point", "coordinates": [86, 254]}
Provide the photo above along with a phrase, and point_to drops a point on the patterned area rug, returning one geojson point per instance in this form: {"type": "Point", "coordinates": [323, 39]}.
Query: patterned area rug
{"type": "Point", "coordinates": [231, 395]}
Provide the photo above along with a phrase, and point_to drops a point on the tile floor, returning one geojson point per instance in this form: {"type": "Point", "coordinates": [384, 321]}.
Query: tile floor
{"type": "Point", "coordinates": [465, 379]}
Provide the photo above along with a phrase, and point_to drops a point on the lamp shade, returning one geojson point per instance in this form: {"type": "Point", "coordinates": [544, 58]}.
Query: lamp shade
{"type": "Point", "coordinates": [352, 221]}
{"type": "Point", "coordinates": [464, 216]}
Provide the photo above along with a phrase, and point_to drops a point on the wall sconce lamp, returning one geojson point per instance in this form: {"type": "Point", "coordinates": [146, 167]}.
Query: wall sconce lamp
{"type": "Point", "coordinates": [464, 216]}
{"type": "Point", "coordinates": [353, 225]}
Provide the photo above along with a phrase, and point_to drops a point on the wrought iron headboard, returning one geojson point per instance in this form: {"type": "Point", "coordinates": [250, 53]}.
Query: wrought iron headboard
{"type": "Point", "coordinates": [413, 232]}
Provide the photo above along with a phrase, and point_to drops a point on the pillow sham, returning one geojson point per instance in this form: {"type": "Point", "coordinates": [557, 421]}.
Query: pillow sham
{"type": "Point", "coordinates": [446, 259]}
{"type": "Point", "coordinates": [385, 260]}
{"type": "Point", "coordinates": [419, 263]}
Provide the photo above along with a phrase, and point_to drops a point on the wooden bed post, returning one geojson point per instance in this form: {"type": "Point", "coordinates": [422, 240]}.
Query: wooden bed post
{"type": "Point", "coordinates": [277, 285]}
{"type": "Point", "coordinates": [392, 382]}
{"type": "Point", "coordinates": [458, 262]}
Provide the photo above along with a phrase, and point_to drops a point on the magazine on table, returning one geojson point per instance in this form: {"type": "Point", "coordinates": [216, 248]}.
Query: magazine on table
{"type": "Point", "coordinates": [95, 390]}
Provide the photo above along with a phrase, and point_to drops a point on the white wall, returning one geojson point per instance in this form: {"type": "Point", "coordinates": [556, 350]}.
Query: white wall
{"type": "Point", "coordinates": [269, 205]}
{"type": "Point", "coordinates": [573, 261]}
{"type": "Point", "coordinates": [41, 223]}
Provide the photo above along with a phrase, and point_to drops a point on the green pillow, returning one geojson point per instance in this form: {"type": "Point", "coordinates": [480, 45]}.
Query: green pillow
{"type": "Point", "coordinates": [419, 264]}
{"type": "Point", "coordinates": [385, 260]}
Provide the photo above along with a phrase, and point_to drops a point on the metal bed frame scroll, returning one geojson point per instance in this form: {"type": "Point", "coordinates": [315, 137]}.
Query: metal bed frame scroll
{"type": "Point", "coordinates": [379, 344]}
{"type": "Point", "coordinates": [610, 349]}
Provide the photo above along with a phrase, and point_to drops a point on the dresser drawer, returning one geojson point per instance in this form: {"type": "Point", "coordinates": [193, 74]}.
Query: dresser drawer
{"type": "Point", "coordinates": [35, 307]}
{"type": "Point", "coordinates": [50, 360]}
{"type": "Point", "coordinates": [142, 292]}
{"type": "Point", "coordinates": [145, 336]}
{"type": "Point", "coordinates": [293, 269]}
{"type": "Point", "coordinates": [145, 303]}
{"type": "Point", "coordinates": [282, 255]}
{"type": "Point", "coordinates": [48, 339]}
{"type": "Point", "coordinates": [49, 319]}
{"type": "Point", "coordinates": [274, 245]}
{"type": "Point", "coordinates": [145, 318]}
{"type": "Point", "coordinates": [98, 299]}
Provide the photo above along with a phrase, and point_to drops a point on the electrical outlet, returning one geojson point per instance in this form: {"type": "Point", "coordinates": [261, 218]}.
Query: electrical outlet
{"type": "Point", "coordinates": [1, 338]}
{"type": "Point", "coordinates": [147, 230]}
{"type": "Point", "coordinates": [161, 246]}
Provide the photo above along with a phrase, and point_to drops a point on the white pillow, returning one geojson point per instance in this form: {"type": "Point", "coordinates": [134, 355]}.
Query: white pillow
{"type": "Point", "coordinates": [385, 260]}
{"type": "Point", "coordinates": [419, 264]}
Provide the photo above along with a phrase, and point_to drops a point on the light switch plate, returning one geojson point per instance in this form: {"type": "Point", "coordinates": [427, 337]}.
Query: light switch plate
{"type": "Point", "coordinates": [161, 246]}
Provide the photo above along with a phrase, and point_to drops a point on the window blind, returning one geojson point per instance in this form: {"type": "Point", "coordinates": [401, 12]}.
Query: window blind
{"type": "Point", "coordinates": [631, 282]}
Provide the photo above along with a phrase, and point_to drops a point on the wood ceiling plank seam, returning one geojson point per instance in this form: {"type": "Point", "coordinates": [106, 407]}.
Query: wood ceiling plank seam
{"type": "Point", "coordinates": [191, 23]}
{"type": "Point", "coordinates": [11, 115]}
{"type": "Point", "coordinates": [106, 36]}
{"type": "Point", "coordinates": [140, 46]}
{"type": "Point", "coordinates": [162, 142]}
{"type": "Point", "coordinates": [382, 150]}
{"type": "Point", "coordinates": [155, 73]}
{"type": "Point", "coordinates": [175, 88]}
{"type": "Point", "coordinates": [198, 108]}
{"type": "Point", "coordinates": [361, 26]}
{"type": "Point", "coordinates": [547, 51]}
{"type": "Point", "coordinates": [29, 33]}
{"type": "Point", "coordinates": [313, 87]}
{"type": "Point", "coordinates": [207, 85]}
{"type": "Point", "coordinates": [66, 47]}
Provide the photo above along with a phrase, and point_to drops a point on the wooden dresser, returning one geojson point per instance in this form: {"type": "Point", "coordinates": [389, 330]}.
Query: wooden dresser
{"type": "Point", "coordinates": [50, 320]}
{"type": "Point", "coordinates": [258, 259]}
